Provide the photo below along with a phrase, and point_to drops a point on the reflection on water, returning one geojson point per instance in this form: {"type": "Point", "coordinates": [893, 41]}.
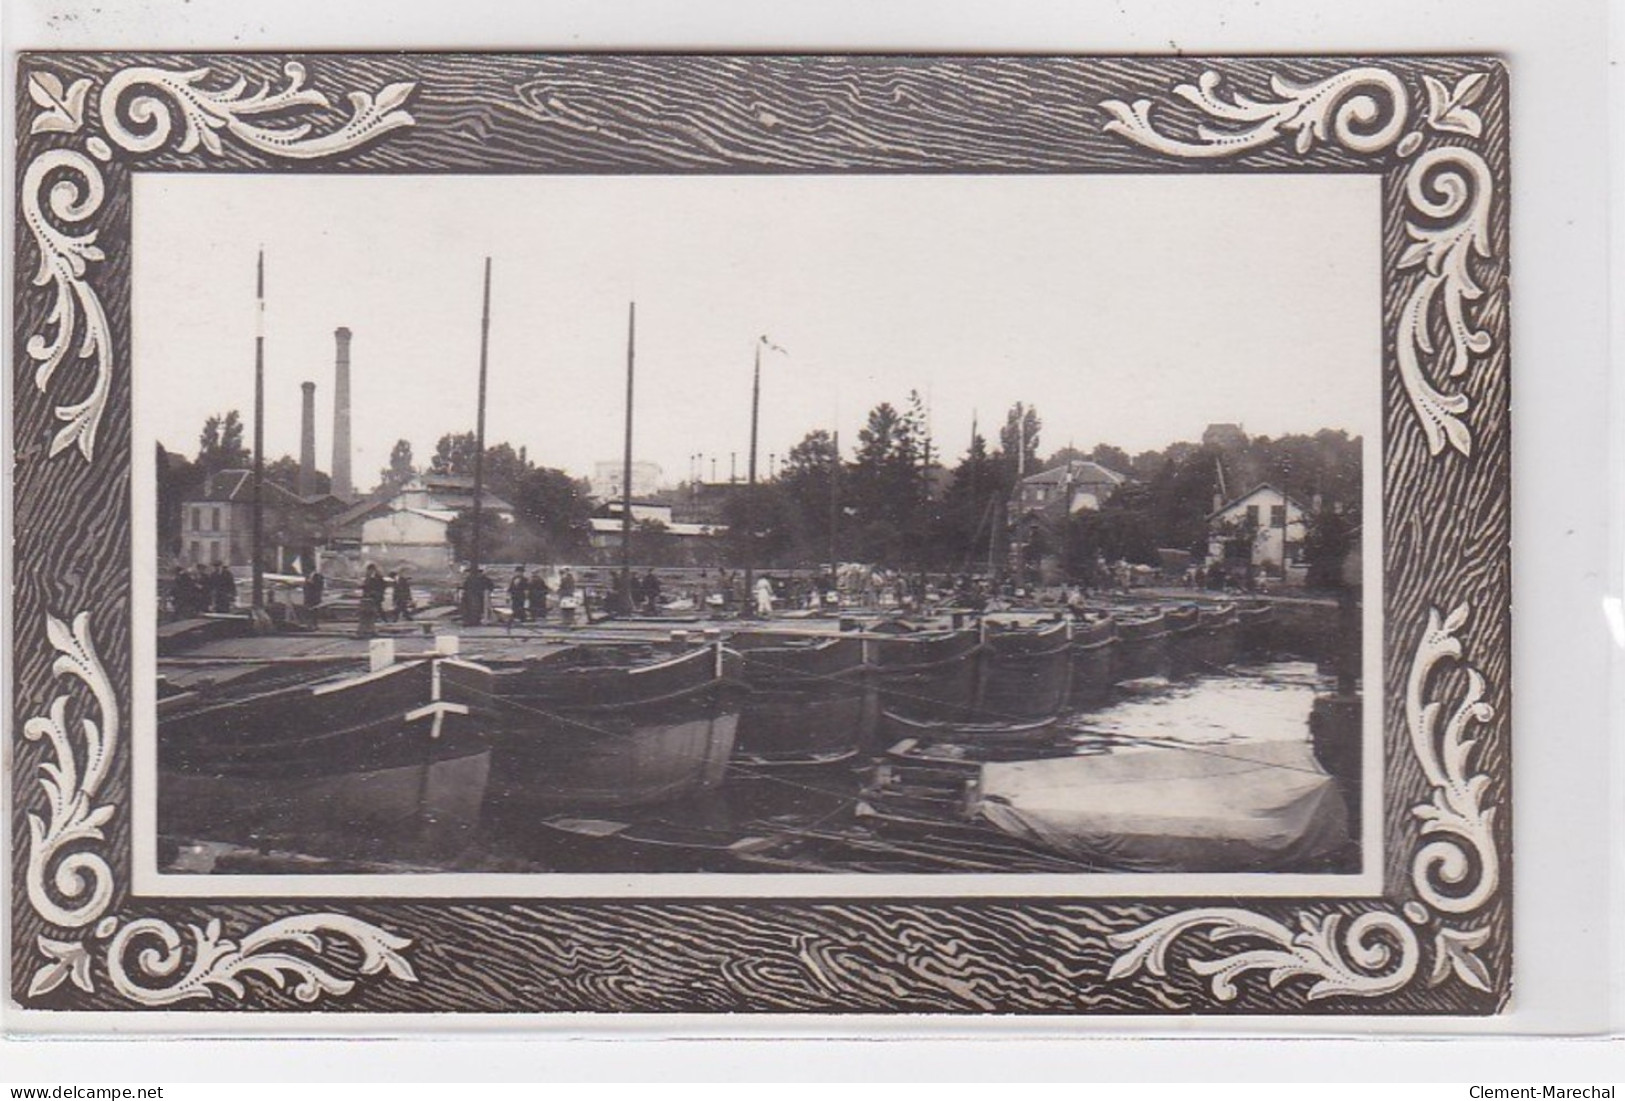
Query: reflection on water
{"type": "Point", "coordinates": [230, 826]}
{"type": "Point", "coordinates": [1262, 703]}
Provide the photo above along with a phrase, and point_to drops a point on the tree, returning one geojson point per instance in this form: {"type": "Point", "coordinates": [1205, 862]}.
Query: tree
{"type": "Point", "coordinates": [887, 491]}
{"type": "Point", "coordinates": [502, 469]}
{"type": "Point", "coordinates": [1181, 497]}
{"type": "Point", "coordinates": [285, 473]}
{"type": "Point", "coordinates": [653, 544]}
{"type": "Point", "coordinates": [809, 481]}
{"type": "Point", "coordinates": [400, 469]}
{"type": "Point", "coordinates": [761, 525]}
{"type": "Point", "coordinates": [1067, 454]}
{"type": "Point", "coordinates": [970, 515]}
{"type": "Point", "coordinates": [1146, 465]}
{"type": "Point", "coordinates": [220, 444]}
{"type": "Point", "coordinates": [454, 455]}
{"type": "Point", "coordinates": [493, 536]}
{"type": "Point", "coordinates": [178, 482]}
{"type": "Point", "coordinates": [1328, 537]}
{"type": "Point", "coordinates": [553, 508]}
{"type": "Point", "coordinates": [1018, 439]}
{"type": "Point", "coordinates": [1112, 458]}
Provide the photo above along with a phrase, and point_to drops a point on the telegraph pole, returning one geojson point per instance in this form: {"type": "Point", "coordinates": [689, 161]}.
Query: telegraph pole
{"type": "Point", "coordinates": [474, 587]}
{"type": "Point", "coordinates": [750, 493]}
{"type": "Point", "coordinates": [626, 457]}
{"type": "Point", "coordinates": [259, 434]}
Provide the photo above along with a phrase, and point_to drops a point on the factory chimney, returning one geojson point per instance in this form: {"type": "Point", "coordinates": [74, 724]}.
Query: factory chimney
{"type": "Point", "coordinates": [307, 441]}
{"type": "Point", "coordinates": [342, 488]}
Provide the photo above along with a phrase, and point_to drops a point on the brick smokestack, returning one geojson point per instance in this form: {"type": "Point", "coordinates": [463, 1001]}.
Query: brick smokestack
{"type": "Point", "coordinates": [307, 441]}
{"type": "Point", "coordinates": [341, 416]}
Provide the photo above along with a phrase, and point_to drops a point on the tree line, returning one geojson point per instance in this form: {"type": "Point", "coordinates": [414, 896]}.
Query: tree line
{"type": "Point", "coordinates": [889, 498]}
{"type": "Point", "coordinates": [895, 502]}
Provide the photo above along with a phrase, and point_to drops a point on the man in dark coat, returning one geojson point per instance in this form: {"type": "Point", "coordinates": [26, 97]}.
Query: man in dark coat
{"type": "Point", "coordinates": [401, 595]}
{"type": "Point", "coordinates": [183, 595]}
{"type": "Point", "coordinates": [651, 591]}
{"type": "Point", "coordinates": [224, 588]}
{"type": "Point", "coordinates": [519, 595]}
{"type": "Point", "coordinates": [372, 598]}
{"type": "Point", "coordinates": [476, 589]}
{"type": "Point", "coordinates": [620, 596]}
{"type": "Point", "coordinates": [315, 586]}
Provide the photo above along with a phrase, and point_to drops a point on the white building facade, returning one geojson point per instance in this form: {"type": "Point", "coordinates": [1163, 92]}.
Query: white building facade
{"type": "Point", "coordinates": [1276, 521]}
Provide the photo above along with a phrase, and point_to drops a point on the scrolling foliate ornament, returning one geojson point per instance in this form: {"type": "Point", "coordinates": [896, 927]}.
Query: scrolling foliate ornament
{"type": "Point", "coordinates": [1453, 875]}
{"type": "Point", "coordinates": [60, 869]}
{"type": "Point", "coordinates": [1458, 870]}
{"type": "Point", "coordinates": [75, 194]}
{"type": "Point", "coordinates": [1377, 954]}
{"type": "Point", "coordinates": [205, 112]}
{"type": "Point", "coordinates": [1347, 108]}
{"type": "Point", "coordinates": [1449, 189]}
{"type": "Point", "coordinates": [71, 884]}
{"type": "Point", "coordinates": [62, 188]}
{"type": "Point", "coordinates": [219, 964]}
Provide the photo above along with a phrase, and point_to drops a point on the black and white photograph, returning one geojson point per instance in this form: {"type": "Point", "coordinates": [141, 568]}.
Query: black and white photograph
{"type": "Point", "coordinates": [807, 612]}
{"type": "Point", "coordinates": [828, 533]}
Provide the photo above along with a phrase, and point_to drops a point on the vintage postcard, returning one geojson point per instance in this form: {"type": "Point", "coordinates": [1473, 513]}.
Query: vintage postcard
{"type": "Point", "coordinates": [826, 534]}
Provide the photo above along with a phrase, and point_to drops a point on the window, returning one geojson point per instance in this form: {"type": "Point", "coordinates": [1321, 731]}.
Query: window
{"type": "Point", "coordinates": [214, 518]}
{"type": "Point", "coordinates": [1252, 515]}
{"type": "Point", "coordinates": [197, 519]}
{"type": "Point", "coordinates": [214, 552]}
{"type": "Point", "coordinates": [197, 552]}
{"type": "Point", "coordinates": [1277, 516]}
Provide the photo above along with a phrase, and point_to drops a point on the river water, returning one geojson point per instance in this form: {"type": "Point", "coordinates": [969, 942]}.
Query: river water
{"type": "Point", "coordinates": [1210, 713]}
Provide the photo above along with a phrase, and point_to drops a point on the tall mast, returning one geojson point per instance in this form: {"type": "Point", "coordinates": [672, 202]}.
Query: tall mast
{"type": "Point", "coordinates": [750, 494]}
{"type": "Point", "coordinates": [975, 487]}
{"type": "Point", "coordinates": [834, 505]}
{"type": "Point", "coordinates": [479, 428]}
{"type": "Point", "coordinates": [259, 432]}
{"type": "Point", "coordinates": [626, 456]}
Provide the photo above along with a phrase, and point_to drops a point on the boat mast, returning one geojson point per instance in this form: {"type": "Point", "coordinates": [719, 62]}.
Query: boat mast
{"type": "Point", "coordinates": [975, 490]}
{"type": "Point", "coordinates": [750, 494]}
{"type": "Point", "coordinates": [626, 456]}
{"type": "Point", "coordinates": [834, 506]}
{"type": "Point", "coordinates": [259, 432]}
{"type": "Point", "coordinates": [479, 435]}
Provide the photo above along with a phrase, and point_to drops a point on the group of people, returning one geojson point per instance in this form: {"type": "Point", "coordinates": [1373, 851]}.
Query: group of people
{"type": "Point", "coordinates": [194, 592]}
{"type": "Point", "coordinates": [527, 595]}
{"type": "Point", "coordinates": [630, 594]}
{"type": "Point", "coordinates": [375, 588]}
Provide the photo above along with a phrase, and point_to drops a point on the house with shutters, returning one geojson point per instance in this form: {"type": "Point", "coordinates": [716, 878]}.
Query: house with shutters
{"type": "Point", "coordinates": [218, 526]}
{"type": "Point", "coordinates": [1263, 525]}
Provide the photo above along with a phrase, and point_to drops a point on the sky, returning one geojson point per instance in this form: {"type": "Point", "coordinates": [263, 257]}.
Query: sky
{"type": "Point", "coordinates": [1130, 310]}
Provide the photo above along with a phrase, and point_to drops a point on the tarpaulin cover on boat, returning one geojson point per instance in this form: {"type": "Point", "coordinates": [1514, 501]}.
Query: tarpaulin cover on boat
{"type": "Point", "coordinates": [1264, 806]}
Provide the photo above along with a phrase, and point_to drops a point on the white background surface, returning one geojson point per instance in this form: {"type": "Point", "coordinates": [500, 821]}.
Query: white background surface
{"type": "Point", "coordinates": [1566, 859]}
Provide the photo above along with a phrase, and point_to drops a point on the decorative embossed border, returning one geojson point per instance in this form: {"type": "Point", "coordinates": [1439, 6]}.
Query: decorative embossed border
{"type": "Point", "coordinates": [1432, 128]}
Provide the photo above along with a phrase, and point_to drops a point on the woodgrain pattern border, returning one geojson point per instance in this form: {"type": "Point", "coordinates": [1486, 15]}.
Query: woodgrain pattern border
{"type": "Point", "coordinates": [1434, 129]}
